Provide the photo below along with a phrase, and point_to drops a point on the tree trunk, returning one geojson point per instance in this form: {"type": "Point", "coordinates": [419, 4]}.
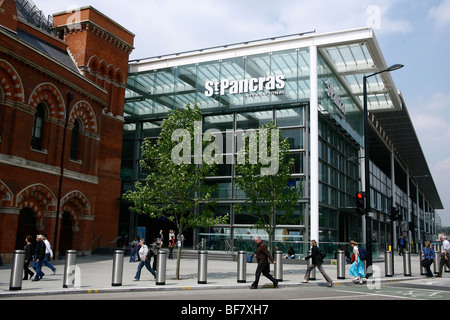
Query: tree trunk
{"type": "Point", "coordinates": [178, 261]}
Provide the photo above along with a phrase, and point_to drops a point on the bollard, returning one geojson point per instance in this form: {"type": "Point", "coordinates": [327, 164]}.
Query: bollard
{"type": "Point", "coordinates": [437, 259]}
{"type": "Point", "coordinates": [69, 269]}
{"type": "Point", "coordinates": [389, 263]}
{"type": "Point", "coordinates": [407, 263]}
{"type": "Point", "coordinates": [161, 268]}
{"type": "Point", "coordinates": [423, 271]}
{"type": "Point", "coordinates": [312, 275]}
{"type": "Point", "coordinates": [242, 267]}
{"type": "Point", "coordinates": [278, 266]}
{"type": "Point", "coordinates": [15, 282]}
{"type": "Point", "coordinates": [341, 264]}
{"type": "Point", "coordinates": [117, 273]}
{"type": "Point", "coordinates": [202, 267]}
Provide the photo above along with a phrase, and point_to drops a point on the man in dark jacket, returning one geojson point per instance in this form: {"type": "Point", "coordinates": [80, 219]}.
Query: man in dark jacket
{"type": "Point", "coordinates": [39, 255]}
{"type": "Point", "coordinates": [262, 256]}
{"type": "Point", "coordinates": [28, 258]}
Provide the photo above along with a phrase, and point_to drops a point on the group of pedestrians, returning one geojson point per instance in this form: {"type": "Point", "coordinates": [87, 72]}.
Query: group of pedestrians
{"type": "Point", "coordinates": [40, 255]}
{"type": "Point", "coordinates": [429, 257]}
{"type": "Point", "coordinates": [356, 270]}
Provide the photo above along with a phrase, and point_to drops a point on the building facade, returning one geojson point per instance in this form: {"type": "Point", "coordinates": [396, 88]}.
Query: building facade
{"type": "Point", "coordinates": [310, 86]}
{"type": "Point", "coordinates": [62, 88]}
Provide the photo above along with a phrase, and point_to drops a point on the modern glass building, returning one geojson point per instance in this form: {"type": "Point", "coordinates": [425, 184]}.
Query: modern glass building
{"type": "Point", "coordinates": [311, 86]}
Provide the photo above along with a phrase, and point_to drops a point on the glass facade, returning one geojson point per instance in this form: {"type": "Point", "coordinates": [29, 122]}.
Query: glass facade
{"type": "Point", "coordinates": [244, 93]}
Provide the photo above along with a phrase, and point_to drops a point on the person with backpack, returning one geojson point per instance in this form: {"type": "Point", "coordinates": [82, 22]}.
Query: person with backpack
{"type": "Point", "coordinates": [401, 245]}
{"type": "Point", "coordinates": [144, 260]}
{"type": "Point", "coordinates": [357, 268]}
{"type": "Point", "coordinates": [317, 257]}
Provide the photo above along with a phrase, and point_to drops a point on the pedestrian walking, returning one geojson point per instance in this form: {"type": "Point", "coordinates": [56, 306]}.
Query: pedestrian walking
{"type": "Point", "coordinates": [317, 261]}
{"type": "Point", "coordinates": [160, 238]}
{"type": "Point", "coordinates": [445, 255]}
{"type": "Point", "coordinates": [401, 245]}
{"type": "Point", "coordinates": [262, 257]}
{"type": "Point", "coordinates": [48, 254]}
{"type": "Point", "coordinates": [155, 247]}
{"type": "Point", "coordinates": [28, 258]}
{"type": "Point", "coordinates": [144, 261]}
{"type": "Point", "coordinates": [357, 267]}
{"type": "Point", "coordinates": [133, 251]}
{"type": "Point", "coordinates": [171, 243]}
{"type": "Point", "coordinates": [428, 258]}
{"type": "Point", "coordinates": [39, 256]}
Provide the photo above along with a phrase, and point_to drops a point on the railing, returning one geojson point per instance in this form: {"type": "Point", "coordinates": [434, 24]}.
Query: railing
{"type": "Point", "coordinates": [202, 244]}
{"type": "Point", "coordinates": [301, 248]}
{"type": "Point", "coordinates": [115, 240]}
{"type": "Point", "coordinates": [97, 239]}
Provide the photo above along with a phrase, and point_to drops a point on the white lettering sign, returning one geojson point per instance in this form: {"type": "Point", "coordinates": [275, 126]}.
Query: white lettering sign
{"type": "Point", "coordinates": [244, 86]}
{"type": "Point", "coordinates": [332, 94]}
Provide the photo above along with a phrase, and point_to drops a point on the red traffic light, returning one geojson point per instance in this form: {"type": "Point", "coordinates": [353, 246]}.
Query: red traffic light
{"type": "Point", "coordinates": [360, 203]}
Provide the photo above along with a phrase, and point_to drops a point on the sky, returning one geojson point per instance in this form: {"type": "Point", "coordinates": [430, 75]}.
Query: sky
{"type": "Point", "coordinates": [410, 32]}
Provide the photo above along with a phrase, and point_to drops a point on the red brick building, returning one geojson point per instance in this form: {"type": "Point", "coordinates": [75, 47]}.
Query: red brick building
{"type": "Point", "coordinates": [62, 92]}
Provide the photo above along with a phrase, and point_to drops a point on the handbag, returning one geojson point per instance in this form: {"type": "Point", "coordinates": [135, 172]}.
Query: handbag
{"type": "Point", "coordinates": [426, 262]}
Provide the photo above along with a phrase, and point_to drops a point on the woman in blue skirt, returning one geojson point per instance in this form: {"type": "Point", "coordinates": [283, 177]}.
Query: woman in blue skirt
{"type": "Point", "coordinates": [357, 268]}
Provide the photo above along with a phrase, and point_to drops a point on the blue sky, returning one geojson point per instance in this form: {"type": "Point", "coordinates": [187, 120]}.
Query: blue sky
{"type": "Point", "coordinates": [411, 32]}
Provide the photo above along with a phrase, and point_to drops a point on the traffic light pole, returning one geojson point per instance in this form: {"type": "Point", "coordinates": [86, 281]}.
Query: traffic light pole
{"type": "Point", "coordinates": [369, 260]}
{"type": "Point", "coordinates": [367, 170]}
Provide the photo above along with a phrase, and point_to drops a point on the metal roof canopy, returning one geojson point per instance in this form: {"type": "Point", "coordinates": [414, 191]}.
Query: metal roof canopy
{"type": "Point", "coordinates": [398, 127]}
{"type": "Point", "coordinates": [352, 60]}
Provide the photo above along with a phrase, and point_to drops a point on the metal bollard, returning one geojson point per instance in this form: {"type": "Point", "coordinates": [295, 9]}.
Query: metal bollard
{"type": "Point", "coordinates": [389, 263]}
{"type": "Point", "coordinates": [407, 263]}
{"type": "Point", "coordinates": [278, 266]}
{"type": "Point", "coordinates": [161, 267]}
{"type": "Point", "coordinates": [15, 282]}
{"type": "Point", "coordinates": [242, 267]}
{"type": "Point", "coordinates": [312, 275]}
{"type": "Point", "coordinates": [69, 269]}
{"type": "Point", "coordinates": [202, 267]}
{"type": "Point", "coordinates": [341, 264]}
{"type": "Point", "coordinates": [437, 259]}
{"type": "Point", "coordinates": [117, 273]}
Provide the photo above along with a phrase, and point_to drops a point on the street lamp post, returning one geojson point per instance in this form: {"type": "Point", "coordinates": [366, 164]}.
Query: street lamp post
{"type": "Point", "coordinates": [69, 98]}
{"type": "Point", "coordinates": [366, 169]}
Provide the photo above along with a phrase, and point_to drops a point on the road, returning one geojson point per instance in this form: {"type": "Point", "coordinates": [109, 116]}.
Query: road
{"type": "Point", "coordinates": [404, 291]}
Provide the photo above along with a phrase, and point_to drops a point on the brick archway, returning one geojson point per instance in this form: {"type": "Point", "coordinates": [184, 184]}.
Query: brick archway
{"type": "Point", "coordinates": [6, 196]}
{"type": "Point", "coordinates": [11, 83]}
{"type": "Point", "coordinates": [52, 96]}
{"type": "Point", "coordinates": [38, 198]}
{"type": "Point", "coordinates": [76, 204]}
{"type": "Point", "coordinates": [83, 111]}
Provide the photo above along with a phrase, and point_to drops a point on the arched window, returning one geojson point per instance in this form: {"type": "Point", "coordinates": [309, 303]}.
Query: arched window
{"type": "Point", "coordinates": [38, 128]}
{"type": "Point", "coordinates": [75, 145]}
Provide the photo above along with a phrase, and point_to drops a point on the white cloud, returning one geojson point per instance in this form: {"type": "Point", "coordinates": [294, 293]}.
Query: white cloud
{"type": "Point", "coordinates": [431, 125]}
{"type": "Point", "coordinates": [169, 26]}
{"type": "Point", "coordinates": [440, 15]}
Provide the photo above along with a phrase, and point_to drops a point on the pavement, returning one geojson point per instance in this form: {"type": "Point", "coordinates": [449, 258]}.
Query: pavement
{"type": "Point", "coordinates": [95, 275]}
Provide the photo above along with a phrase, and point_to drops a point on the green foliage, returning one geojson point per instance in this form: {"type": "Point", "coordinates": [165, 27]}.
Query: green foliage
{"type": "Point", "coordinates": [175, 190]}
{"type": "Point", "coordinates": [268, 194]}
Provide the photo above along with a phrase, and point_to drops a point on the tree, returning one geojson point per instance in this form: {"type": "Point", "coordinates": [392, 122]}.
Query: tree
{"type": "Point", "coordinates": [263, 172]}
{"type": "Point", "coordinates": [175, 187]}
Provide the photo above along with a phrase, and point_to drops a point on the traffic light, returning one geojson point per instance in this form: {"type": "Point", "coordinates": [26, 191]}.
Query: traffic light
{"type": "Point", "coordinates": [395, 214]}
{"type": "Point", "coordinates": [360, 203]}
